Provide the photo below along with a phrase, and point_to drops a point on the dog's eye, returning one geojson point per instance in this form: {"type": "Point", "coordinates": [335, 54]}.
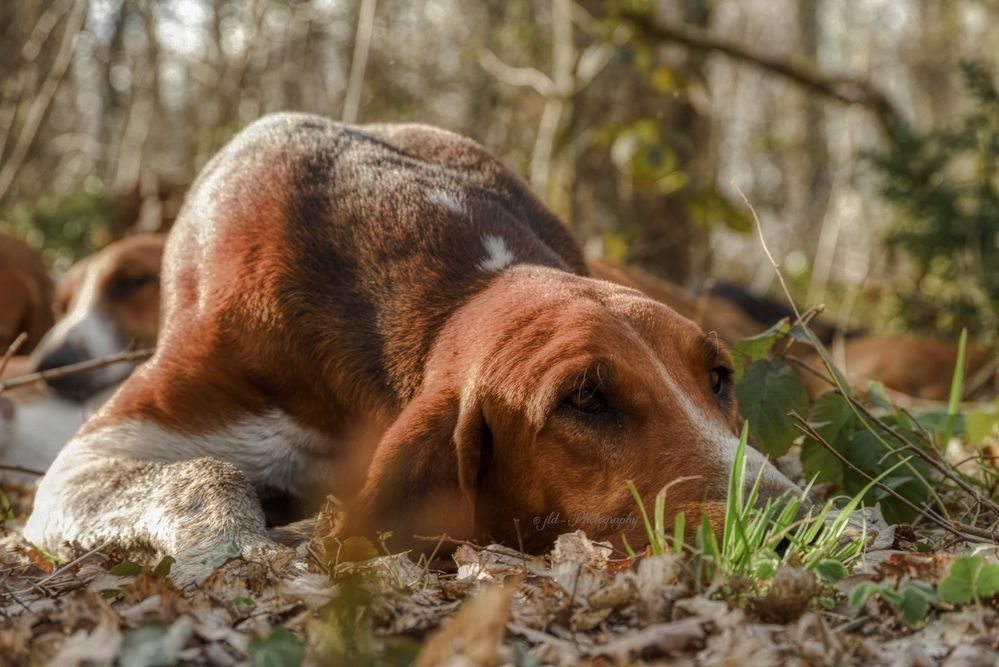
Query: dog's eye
{"type": "Point", "coordinates": [719, 378]}
{"type": "Point", "coordinates": [586, 398]}
{"type": "Point", "coordinates": [121, 286]}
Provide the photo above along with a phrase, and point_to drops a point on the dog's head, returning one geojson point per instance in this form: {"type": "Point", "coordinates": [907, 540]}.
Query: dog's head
{"type": "Point", "coordinates": [543, 397]}
{"type": "Point", "coordinates": [25, 295]}
{"type": "Point", "coordinates": [106, 303]}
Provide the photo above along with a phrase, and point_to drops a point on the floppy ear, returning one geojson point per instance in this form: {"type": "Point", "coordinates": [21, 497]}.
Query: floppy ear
{"type": "Point", "coordinates": [425, 473]}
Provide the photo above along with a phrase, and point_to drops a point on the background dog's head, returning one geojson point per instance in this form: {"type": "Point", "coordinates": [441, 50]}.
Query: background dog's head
{"type": "Point", "coordinates": [107, 303]}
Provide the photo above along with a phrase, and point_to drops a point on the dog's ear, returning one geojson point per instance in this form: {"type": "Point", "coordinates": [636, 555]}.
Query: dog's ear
{"type": "Point", "coordinates": [426, 471]}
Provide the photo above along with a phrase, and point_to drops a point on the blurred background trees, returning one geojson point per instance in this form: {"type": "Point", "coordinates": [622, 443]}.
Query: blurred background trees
{"type": "Point", "coordinates": [866, 146]}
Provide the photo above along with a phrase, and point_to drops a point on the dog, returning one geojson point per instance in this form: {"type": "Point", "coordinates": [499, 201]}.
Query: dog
{"type": "Point", "coordinates": [388, 313]}
{"type": "Point", "coordinates": [719, 316]}
{"type": "Point", "coordinates": [916, 370]}
{"type": "Point", "coordinates": [107, 303]}
{"type": "Point", "coordinates": [26, 294]}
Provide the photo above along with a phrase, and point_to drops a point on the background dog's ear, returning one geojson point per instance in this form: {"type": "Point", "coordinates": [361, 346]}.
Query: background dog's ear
{"type": "Point", "coordinates": [425, 471]}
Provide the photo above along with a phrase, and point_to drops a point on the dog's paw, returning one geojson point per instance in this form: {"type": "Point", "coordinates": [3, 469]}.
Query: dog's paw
{"type": "Point", "coordinates": [195, 565]}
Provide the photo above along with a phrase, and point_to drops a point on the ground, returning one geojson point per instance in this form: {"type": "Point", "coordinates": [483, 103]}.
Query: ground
{"type": "Point", "coordinates": [580, 604]}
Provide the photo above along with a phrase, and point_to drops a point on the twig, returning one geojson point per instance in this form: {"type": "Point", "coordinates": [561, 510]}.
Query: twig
{"type": "Point", "coordinates": [962, 531]}
{"type": "Point", "coordinates": [40, 105]}
{"type": "Point", "coordinates": [22, 469]}
{"type": "Point", "coordinates": [75, 369]}
{"type": "Point", "coordinates": [62, 569]}
{"type": "Point", "coordinates": [766, 249]}
{"type": "Point", "coordinates": [12, 350]}
{"type": "Point", "coordinates": [839, 88]}
{"type": "Point", "coordinates": [940, 464]}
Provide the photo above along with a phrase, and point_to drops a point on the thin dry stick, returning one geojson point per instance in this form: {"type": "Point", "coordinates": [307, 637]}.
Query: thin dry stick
{"type": "Point", "coordinates": [39, 107]}
{"type": "Point", "coordinates": [22, 469]}
{"type": "Point", "coordinates": [939, 464]}
{"type": "Point", "coordinates": [12, 350]}
{"type": "Point", "coordinates": [62, 570]}
{"type": "Point", "coordinates": [815, 342]}
{"type": "Point", "coordinates": [75, 369]}
{"type": "Point", "coordinates": [962, 531]}
{"type": "Point", "coordinates": [766, 249]}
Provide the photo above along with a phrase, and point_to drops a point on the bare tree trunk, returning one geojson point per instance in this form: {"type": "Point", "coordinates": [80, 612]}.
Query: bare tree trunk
{"type": "Point", "coordinates": [359, 63]}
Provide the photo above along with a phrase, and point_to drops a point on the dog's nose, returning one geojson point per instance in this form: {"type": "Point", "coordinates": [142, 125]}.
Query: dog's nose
{"type": "Point", "coordinates": [76, 387]}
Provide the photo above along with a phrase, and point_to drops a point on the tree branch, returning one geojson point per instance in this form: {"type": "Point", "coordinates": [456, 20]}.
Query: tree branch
{"type": "Point", "coordinates": [841, 89]}
{"type": "Point", "coordinates": [40, 105]}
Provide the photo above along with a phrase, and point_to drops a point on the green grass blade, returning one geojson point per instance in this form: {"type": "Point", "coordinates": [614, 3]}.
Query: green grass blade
{"type": "Point", "coordinates": [956, 386]}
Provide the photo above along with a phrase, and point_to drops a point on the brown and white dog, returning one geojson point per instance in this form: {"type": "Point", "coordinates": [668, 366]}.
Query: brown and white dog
{"type": "Point", "coordinates": [387, 313]}
{"type": "Point", "coordinates": [25, 294]}
{"type": "Point", "coordinates": [107, 303]}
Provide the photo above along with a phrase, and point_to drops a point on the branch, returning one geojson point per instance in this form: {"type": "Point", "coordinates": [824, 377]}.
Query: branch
{"type": "Point", "coordinates": [75, 369]}
{"type": "Point", "coordinates": [516, 76]}
{"type": "Point", "coordinates": [40, 105]}
{"type": "Point", "coordinates": [842, 89]}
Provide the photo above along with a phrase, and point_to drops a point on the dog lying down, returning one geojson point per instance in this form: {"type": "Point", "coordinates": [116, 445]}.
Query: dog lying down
{"type": "Point", "coordinates": [388, 314]}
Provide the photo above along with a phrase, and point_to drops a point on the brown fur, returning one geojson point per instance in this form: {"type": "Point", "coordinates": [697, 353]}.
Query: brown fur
{"type": "Point", "coordinates": [334, 274]}
{"type": "Point", "coordinates": [25, 294]}
{"type": "Point", "coordinates": [917, 368]}
{"type": "Point", "coordinates": [122, 285]}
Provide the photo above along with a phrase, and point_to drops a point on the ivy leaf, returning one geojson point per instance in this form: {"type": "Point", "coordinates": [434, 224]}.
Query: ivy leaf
{"type": "Point", "coordinates": [278, 649]}
{"type": "Point", "coordinates": [126, 569]}
{"type": "Point", "coordinates": [831, 570]}
{"type": "Point", "coordinates": [757, 347]}
{"type": "Point", "coordinates": [768, 392]}
{"type": "Point", "coordinates": [162, 568]}
{"type": "Point", "coordinates": [832, 419]}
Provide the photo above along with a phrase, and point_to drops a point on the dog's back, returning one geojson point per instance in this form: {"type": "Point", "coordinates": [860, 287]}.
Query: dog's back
{"type": "Point", "coordinates": [26, 293]}
{"type": "Point", "coordinates": [335, 224]}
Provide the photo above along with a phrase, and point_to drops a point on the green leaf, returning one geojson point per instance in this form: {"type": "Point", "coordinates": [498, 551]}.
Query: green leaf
{"type": "Point", "coordinates": [222, 554]}
{"type": "Point", "coordinates": [767, 393]}
{"type": "Point", "coordinates": [154, 645]}
{"type": "Point", "coordinates": [833, 419]}
{"type": "Point", "coordinates": [981, 423]}
{"type": "Point", "coordinates": [6, 510]}
{"type": "Point", "coordinates": [831, 570]}
{"type": "Point", "coordinates": [162, 568]}
{"type": "Point", "coordinates": [915, 603]}
{"type": "Point", "coordinates": [970, 579]}
{"type": "Point", "coordinates": [278, 649]}
{"type": "Point", "coordinates": [126, 569]}
{"type": "Point", "coordinates": [757, 347]}
{"type": "Point", "coordinates": [862, 593]}
{"type": "Point", "coordinates": [956, 385]}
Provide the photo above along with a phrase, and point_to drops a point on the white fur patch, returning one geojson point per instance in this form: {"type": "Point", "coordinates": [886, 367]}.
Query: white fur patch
{"type": "Point", "coordinates": [87, 330]}
{"type": "Point", "coordinates": [447, 200]}
{"type": "Point", "coordinates": [724, 444]}
{"type": "Point", "coordinates": [270, 448]}
{"type": "Point", "coordinates": [498, 255]}
{"type": "Point", "coordinates": [39, 430]}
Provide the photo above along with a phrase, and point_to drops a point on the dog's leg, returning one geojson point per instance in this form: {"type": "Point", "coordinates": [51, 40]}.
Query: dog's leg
{"type": "Point", "coordinates": [198, 510]}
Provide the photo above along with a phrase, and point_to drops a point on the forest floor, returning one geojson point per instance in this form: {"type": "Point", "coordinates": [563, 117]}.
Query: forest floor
{"type": "Point", "coordinates": [579, 604]}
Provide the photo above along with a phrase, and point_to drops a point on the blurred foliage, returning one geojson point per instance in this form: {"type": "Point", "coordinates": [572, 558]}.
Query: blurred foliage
{"type": "Point", "coordinates": [67, 227]}
{"type": "Point", "coordinates": [944, 183]}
